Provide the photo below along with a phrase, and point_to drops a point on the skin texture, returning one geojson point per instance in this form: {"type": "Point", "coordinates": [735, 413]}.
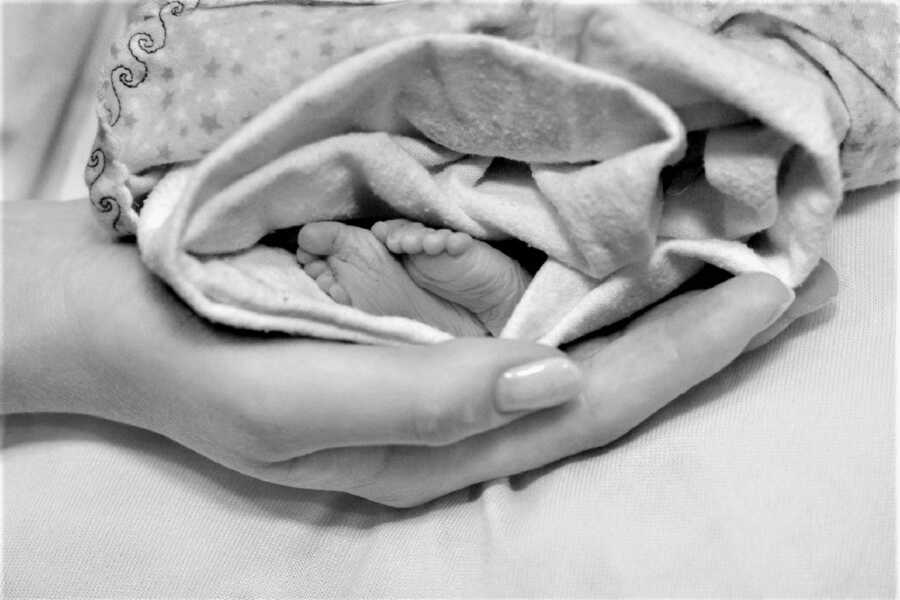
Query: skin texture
{"type": "Point", "coordinates": [86, 329]}
{"type": "Point", "coordinates": [400, 267]}
{"type": "Point", "coordinates": [353, 267]}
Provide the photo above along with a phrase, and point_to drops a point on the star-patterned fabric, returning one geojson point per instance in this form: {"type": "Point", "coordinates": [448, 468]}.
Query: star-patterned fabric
{"type": "Point", "coordinates": [856, 44]}
{"type": "Point", "coordinates": [189, 73]}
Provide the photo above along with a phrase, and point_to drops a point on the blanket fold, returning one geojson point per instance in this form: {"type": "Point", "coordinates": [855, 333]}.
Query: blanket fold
{"type": "Point", "coordinates": [566, 129]}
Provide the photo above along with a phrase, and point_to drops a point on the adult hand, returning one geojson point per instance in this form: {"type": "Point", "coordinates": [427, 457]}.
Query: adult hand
{"type": "Point", "coordinates": [628, 377]}
{"type": "Point", "coordinates": [89, 330]}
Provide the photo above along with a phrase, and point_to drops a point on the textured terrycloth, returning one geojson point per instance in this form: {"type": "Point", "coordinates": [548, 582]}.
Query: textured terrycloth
{"type": "Point", "coordinates": [559, 135]}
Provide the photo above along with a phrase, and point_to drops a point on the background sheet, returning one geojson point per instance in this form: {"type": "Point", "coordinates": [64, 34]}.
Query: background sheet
{"type": "Point", "coordinates": [49, 92]}
{"type": "Point", "coordinates": [774, 478]}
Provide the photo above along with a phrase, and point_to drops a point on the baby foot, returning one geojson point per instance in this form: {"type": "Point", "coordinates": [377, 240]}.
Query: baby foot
{"type": "Point", "coordinates": [353, 268]}
{"type": "Point", "coordinates": [458, 268]}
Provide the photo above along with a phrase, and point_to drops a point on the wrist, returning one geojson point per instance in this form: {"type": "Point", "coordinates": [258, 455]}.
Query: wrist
{"type": "Point", "coordinates": [31, 340]}
{"type": "Point", "coordinates": [49, 344]}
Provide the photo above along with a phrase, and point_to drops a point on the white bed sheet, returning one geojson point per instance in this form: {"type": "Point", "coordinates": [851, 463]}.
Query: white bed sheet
{"type": "Point", "coordinates": [775, 478]}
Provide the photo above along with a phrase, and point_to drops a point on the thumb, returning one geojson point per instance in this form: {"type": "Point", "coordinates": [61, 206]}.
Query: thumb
{"type": "Point", "coordinates": [477, 384]}
{"type": "Point", "coordinates": [329, 395]}
{"type": "Point", "coordinates": [819, 289]}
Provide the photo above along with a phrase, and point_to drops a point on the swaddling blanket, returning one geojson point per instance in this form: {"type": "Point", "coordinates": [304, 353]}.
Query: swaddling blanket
{"type": "Point", "coordinates": [626, 144]}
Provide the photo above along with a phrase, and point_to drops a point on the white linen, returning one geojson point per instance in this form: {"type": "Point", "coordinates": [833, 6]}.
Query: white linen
{"type": "Point", "coordinates": [775, 478]}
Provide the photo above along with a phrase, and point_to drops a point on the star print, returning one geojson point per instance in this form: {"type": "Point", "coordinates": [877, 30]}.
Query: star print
{"type": "Point", "coordinates": [237, 69]}
{"type": "Point", "coordinates": [826, 10]}
{"type": "Point", "coordinates": [855, 146]}
{"type": "Point", "coordinates": [167, 99]}
{"type": "Point", "coordinates": [266, 13]}
{"type": "Point", "coordinates": [857, 23]}
{"type": "Point", "coordinates": [211, 68]}
{"type": "Point", "coordinates": [222, 96]}
{"type": "Point", "coordinates": [329, 29]}
{"type": "Point", "coordinates": [128, 120]}
{"type": "Point", "coordinates": [167, 74]}
{"type": "Point", "coordinates": [183, 131]}
{"type": "Point", "coordinates": [870, 128]}
{"type": "Point", "coordinates": [326, 49]}
{"type": "Point", "coordinates": [163, 152]}
{"type": "Point", "coordinates": [114, 51]}
{"type": "Point", "coordinates": [279, 37]}
{"type": "Point", "coordinates": [209, 123]}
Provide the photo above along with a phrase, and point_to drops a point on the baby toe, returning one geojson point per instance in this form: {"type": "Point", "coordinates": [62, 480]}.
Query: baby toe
{"type": "Point", "coordinates": [321, 238]}
{"type": "Point", "coordinates": [325, 281]}
{"type": "Point", "coordinates": [411, 240]}
{"type": "Point", "coordinates": [380, 230]}
{"type": "Point", "coordinates": [304, 257]}
{"type": "Point", "coordinates": [337, 293]}
{"type": "Point", "coordinates": [435, 242]}
{"type": "Point", "coordinates": [315, 268]}
{"type": "Point", "coordinates": [399, 234]}
{"type": "Point", "coordinates": [386, 228]}
{"type": "Point", "coordinates": [458, 242]}
{"type": "Point", "coordinates": [393, 243]}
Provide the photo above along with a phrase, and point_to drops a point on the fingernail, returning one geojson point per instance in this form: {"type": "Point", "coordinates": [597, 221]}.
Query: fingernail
{"type": "Point", "coordinates": [538, 385]}
{"type": "Point", "coordinates": [789, 298]}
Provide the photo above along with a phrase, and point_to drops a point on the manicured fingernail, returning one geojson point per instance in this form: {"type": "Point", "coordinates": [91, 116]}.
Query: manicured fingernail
{"type": "Point", "coordinates": [538, 385]}
{"type": "Point", "coordinates": [789, 297]}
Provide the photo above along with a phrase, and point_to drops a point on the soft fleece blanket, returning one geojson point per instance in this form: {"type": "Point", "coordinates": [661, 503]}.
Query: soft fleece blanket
{"type": "Point", "coordinates": [631, 144]}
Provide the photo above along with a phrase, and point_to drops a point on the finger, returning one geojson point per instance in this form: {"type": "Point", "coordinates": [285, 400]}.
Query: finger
{"type": "Point", "coordinates": [819, 289]}
{"type": "Point", "coordinates": [660, 356]}
{"type": "Point", "coordinates": [309, 395]}
{"type": "Point", "coordinates": [667, 351]}
{"type": "Point", "coordinates": [584, 349]}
